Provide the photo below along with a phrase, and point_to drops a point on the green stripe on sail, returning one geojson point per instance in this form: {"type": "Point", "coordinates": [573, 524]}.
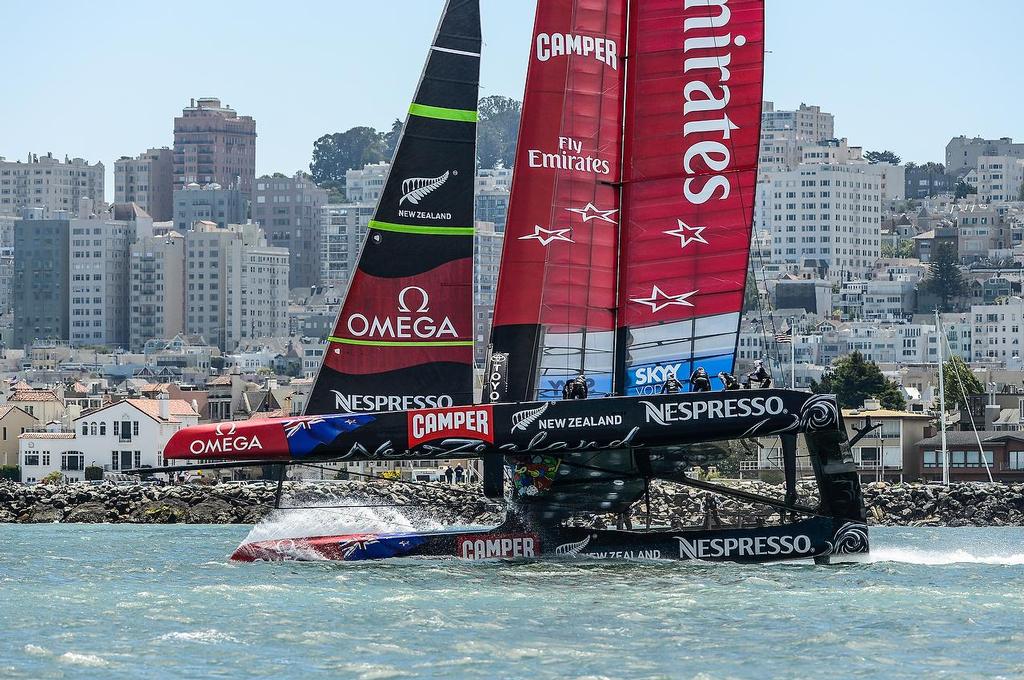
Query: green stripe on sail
{"type": "Point", "coordinates": [460, 115]}
{"type": "Point", "coordinates": [414, 229]}
{"type": "Point", "coordinates": [403, 343]}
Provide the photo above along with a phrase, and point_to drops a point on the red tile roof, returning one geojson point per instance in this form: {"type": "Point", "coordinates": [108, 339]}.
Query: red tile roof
{"type": "Point", "coordinates": [47, 435]}
{"type": "Point", "coordinates": [33, 395]}
{"type": "Point", "coordinates": [176, 407]}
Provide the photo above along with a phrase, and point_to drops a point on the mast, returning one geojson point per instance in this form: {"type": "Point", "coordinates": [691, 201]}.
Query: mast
{"type": "Point", "coordinates": [942, 404]}
{"type": "Point", "coordinates": [404, 335]}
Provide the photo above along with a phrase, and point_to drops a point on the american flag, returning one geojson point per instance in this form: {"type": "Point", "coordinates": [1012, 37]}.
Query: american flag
{"type": "Point", "coordinates": [783, 338]}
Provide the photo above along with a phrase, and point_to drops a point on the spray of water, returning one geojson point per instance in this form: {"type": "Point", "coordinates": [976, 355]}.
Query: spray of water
{"type": "Point", "coordinates": [346, 515]}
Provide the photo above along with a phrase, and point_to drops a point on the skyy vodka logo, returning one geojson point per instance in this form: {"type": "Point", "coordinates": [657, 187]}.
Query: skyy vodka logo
{"type": "Point", "coordinates": [706, 125]}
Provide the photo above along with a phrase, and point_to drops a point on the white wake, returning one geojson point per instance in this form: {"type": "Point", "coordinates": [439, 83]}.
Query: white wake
{"type": "Point", "coordinates": [344, 516]}
{"type": "Point", "coordinates": [933, 557]}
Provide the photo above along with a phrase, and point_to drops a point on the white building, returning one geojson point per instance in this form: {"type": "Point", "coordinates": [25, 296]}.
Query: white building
{"type": "Point", "coordinates": [366, 184]}
{"type": "Point", "coordinates": [825, 215]}
{"type": "Point", "coordinates": [237, 285]}
{"type": "Point", "coordinates": [46, 182]}
{"type": "Point", "coordinates": [127, 434]}
{"type": "Point", "coordinates": [997, 332]}
{"type": "Point", "coordinates": [147, 181]}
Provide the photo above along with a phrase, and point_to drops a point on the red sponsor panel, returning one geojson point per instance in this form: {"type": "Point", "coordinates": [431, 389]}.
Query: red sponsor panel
{"type": "Point", "coordinates": [692, 132]}
{"type": "Point", "coordinates": [559, 262]}
{"type": "Point", "coordinates": [393, 323]}
{"type": "Point", "coordinates": [496, 546]}
{"type": "Point", "coordinates": [467, 422]}
{"type": "Point", "coordinates": [246, 440]}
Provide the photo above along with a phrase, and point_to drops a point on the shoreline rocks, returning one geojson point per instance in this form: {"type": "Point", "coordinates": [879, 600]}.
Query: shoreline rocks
{"type": "Point", "coordinates": [888, 504]}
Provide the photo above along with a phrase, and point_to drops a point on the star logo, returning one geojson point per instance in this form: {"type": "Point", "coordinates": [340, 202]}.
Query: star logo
{"type": "Point", "coordinates": [659, 299]}
{"type": "Point", "coordinates": [546, 236]}
{"type": "Point", "coordinates": [592, 212]}
{"type": "Point", "coordinates": [687, 234]}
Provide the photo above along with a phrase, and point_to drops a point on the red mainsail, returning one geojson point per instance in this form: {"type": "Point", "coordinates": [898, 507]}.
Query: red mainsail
{"type": "Point", "coordinates": [628, 273]}
{"type": "Point", "coordinates": [555, 308]}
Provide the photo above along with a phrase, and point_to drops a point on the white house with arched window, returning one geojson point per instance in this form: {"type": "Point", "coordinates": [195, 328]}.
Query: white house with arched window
{"type": "Point", "coordinates": [126, 434]}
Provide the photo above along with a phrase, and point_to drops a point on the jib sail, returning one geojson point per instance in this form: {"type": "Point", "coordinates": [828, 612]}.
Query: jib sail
{"type": "Point", "coordinates": [404, 336]}
{"type": "Point", "coordinates": [693, 117]}
{"type": "Point", "coordinates": [555, 308]}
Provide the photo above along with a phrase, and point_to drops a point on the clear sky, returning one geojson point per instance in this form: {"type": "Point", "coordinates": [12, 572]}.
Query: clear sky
{"type": "Point", "coordinates": [105, 79]}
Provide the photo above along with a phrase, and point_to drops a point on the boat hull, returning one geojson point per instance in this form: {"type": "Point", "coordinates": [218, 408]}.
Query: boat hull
{"type": "Point", "coordinates": [820, 538]}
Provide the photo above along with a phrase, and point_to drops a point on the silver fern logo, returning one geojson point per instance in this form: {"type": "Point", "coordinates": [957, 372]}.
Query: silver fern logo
{"type": "Point", "coordinates": [523, 419]}
{"type": "Point", "coordinates": [572, 549]}
{"type": "Point", "coordinates": [415, 189]}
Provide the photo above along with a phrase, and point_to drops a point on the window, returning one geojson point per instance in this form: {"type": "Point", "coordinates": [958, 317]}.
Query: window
{"type": "Point", "coordinates": [85, 428]}
{"type": "Point", "coordinates": [92, 428]}
{"type": "Point", "coordinates": [31, 459]}
{"type": "Point", "coordinates": [114, 459]}
{"type": "Point", "coordinates": [1017, 460]}
{"type": "Point", "coordinates": [135, 428]}
{"type": "Point", "coordinates": [103, 429]}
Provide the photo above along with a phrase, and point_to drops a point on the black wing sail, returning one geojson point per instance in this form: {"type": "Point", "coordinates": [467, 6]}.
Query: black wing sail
{"type": "Point", "coordinates": [404, 335]}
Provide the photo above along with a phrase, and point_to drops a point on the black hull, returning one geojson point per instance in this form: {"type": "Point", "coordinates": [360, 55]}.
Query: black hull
{"type": "Point", "coordinates": [818, 538]}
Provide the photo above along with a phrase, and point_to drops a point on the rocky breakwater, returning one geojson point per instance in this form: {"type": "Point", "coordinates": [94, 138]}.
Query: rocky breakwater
{"type": "Point", "coordinates": [671, 504]}
{"type": "Point", "coordinates": [229, 503]}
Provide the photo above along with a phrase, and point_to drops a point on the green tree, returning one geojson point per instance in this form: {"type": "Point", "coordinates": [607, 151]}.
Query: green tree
{"type": "Point", "coordinates": [882, 157]}
{"type": "Point", "coordinates": [497, 131]}
{"type": "Point", "coordinates": [335, 153]}
{"type": "Point", "coordinates": [751, 301]}
{"type": "Point", "coordinates": [902, 248]}
{"type": "Point", "coordinates": [955, 372]}
{"type": "Point", "coordinates": [391, 139]}
{"type": "Point", "coordinates": [853, 379]}
{"type": "Point", "coordinates": [962, 189]}
{"type": "Point", "coordinates": [944, 277]}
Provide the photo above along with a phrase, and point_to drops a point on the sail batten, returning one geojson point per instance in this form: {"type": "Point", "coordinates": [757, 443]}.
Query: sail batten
{"type": "Point", "coordinates": [404, 336]}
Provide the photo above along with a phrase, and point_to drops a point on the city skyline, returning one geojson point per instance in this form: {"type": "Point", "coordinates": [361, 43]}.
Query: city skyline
{"type": "Point", "coordinates": [899, 85]}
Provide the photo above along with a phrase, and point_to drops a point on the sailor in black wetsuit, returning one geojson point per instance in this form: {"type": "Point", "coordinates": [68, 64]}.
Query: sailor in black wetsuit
{"type": "Point", "coordinates": [671, 384]}
{"type": "Point", "coordinates": [575, 388]}
{"type": "Point", "coordinates": [759, 377]}
{"type": "Point", "coordinates": [699, 381]}
{"type": "Point", "coordinates": [729, 381]}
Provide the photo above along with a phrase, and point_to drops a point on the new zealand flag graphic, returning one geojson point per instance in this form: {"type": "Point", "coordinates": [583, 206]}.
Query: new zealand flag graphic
{"type": "Point", "coordinates": [305, 435]}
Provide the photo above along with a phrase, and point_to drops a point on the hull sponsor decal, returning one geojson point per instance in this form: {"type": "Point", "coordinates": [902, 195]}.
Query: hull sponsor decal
{"type": "Point", "coordinates": [466, 422]}
{"type": "Point", "coordinates": [495, 546]}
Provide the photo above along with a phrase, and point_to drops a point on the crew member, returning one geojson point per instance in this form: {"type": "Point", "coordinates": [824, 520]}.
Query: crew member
{"type": "Point", "coordinates": [671, 384]}
{"type": "Point", "coordinates": [575, 388]}
{"type": "Point", "coordinates": [759, 377]}
{"type": "Point", "coordinates": [729, 381]}
{"type": "Point", "coordinates": [699, 381]}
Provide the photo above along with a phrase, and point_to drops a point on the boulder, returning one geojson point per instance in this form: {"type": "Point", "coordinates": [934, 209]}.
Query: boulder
{"type": "Point", "coordinates": [91, 512]}
{"type": "Point", "coordinates": [211, 511]}
{"type": "Point", "coordinates": [45, 513]}
{"type": "Point", "coordinates": [166, 511]}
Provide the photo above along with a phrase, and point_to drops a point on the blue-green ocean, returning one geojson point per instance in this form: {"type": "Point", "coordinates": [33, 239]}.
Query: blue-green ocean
{"type": "Point", "coordinates": [129, 601]}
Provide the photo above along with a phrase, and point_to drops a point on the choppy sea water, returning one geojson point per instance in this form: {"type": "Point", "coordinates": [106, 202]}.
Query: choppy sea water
{"type": "Point", "coordinates": [130, 601]}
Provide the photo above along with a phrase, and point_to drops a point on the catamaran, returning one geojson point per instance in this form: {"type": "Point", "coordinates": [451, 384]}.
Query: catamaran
{"type": "Point", "coordinates": [625, 259]}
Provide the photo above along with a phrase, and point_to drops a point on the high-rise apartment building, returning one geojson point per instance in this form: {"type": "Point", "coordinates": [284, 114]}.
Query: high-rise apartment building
{"type": "Point", "coordinates": [491, 194]}
{"type": "Point", "coordinates": [784, 134]}
{"type": "Point", "coordinates": [156, 298]}
{"type": "Point", "coordinates": [213, 144]}
{"type": "Point", "coordinates": [236, 284]}
{"type": "Point", "coordinates": [825, 214]}
{"type": "Point", "coordinates": [487, 245]}
{"type": "Point", "coordinates": [147, 181]}
{"type": "Point", "coordinates": [46, 182]}
{"type": "Point", "coordinates": [289, 209]}
{"type": "Point", "coordinates": [999, 178]}
{"type": "Point", "coordinates": [40, 286]}
{"type": "Point", "coordinates": [209, 203]}
{"type": "Point", "coordinates": [343, 227]}
{"type": "Point", "coordinates": [98, 309]}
